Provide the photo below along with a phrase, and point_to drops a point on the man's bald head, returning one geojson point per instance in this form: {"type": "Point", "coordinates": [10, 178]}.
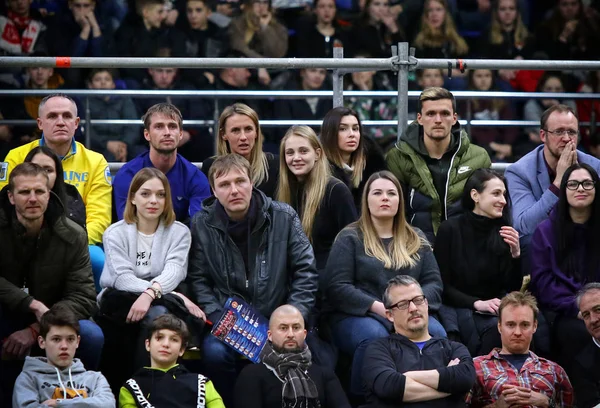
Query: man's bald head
{"type": "Point", "coordinates": [286, 329]}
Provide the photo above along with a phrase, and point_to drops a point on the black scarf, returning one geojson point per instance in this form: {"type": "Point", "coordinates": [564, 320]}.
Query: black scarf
{"type": "Point", "coordinates": [299, 390]}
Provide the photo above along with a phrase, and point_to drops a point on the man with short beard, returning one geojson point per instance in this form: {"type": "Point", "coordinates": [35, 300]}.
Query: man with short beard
{"type": "Point", "coordinates": [286, 375]}
{"type": "Point", "coordinates": [410, 366]}
{"type": "Point", "coordinates": [189, 186]}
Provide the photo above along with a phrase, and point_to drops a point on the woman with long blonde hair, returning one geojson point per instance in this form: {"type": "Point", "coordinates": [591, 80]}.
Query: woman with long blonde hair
{"type": "Point", "coordinates": [438, 37]}
{"type": "Point", "coordinates": [240, 133]}
{"type": "Point", "coordinates": [323, 203]}
{"type": "Point", "coordinates": [364, 257]}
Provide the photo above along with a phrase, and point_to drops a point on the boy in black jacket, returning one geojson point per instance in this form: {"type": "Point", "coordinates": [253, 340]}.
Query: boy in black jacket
{"type": "Point", "coordinates": [410, 366]}
{"type": "Point", "coordinates": [166, 383]}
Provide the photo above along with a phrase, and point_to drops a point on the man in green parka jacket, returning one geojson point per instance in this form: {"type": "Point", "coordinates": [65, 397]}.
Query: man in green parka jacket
{"type": "Point", "coordinates": [433, 161]}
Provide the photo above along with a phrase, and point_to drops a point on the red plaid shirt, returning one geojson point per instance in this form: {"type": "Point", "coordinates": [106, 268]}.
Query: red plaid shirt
{"type": "Point", "coordinates": [538, 374]}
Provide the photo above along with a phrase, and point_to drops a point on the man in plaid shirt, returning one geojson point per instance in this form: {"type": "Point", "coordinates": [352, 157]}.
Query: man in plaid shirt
{"type": "Point", "coordinates": [513, 375]}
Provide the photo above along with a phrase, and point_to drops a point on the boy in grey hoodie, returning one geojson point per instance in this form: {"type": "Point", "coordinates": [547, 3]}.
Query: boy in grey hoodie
{"type": "Point", "coordinates": [59, 380]}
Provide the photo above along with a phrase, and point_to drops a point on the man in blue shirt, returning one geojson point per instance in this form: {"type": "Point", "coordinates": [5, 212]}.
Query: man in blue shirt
{"type": "Point", "coordinates": [163, 130]}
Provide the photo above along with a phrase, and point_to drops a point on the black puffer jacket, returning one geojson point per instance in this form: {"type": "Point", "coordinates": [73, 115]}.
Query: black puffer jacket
{"type": "Point", "coordinates": [281, 266]}
{"type": "Point", "coordinates": [75, 207]}
{"type": "Point", "coordinates": [55, 268]}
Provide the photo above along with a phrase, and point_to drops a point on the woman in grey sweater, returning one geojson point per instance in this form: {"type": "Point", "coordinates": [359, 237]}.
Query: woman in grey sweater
{"type": "Point", "coordinates": [365, 255]}
{"type": "Point", "coordinates": [146, 258]}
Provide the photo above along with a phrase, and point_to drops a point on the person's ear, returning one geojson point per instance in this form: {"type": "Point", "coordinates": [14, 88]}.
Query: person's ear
{"type": "Point", "coordinates": [389, 315]}
{"type": "Point", "coordinates": [474, 196]}
{"type": "Point", "coordinates": [147, 342]}
{"type": "Point", "coordinates": [420, 119]}
{"type": "Point", "coordinates": [39, 123]}
{"type": "Point", "coordinates": [78, 341]}
{"type": "Point", "coordinates": [41, 342]}
{"type": "Point", "coordinates": [182, 350]}
{"type": "Point", "coordinates": [270, 335]}
{"type": "Point", "coordinates": [11, 198]}
{"type": "Point", "coordinates": [318, 153]}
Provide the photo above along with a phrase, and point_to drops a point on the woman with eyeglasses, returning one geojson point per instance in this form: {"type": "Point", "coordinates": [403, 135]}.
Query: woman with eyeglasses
{"type": "Point", "coordinates": [565, 255]}
{"type": "Point", "coordinates": [479, 257]}
{"type": "Point", "coordinates": [364, 257]}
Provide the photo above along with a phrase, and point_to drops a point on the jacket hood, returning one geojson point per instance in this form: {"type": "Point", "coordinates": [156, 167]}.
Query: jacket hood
{"type": "Point", "coordinates": [40, 366]}
{"type": "Point", "coordinates": [413, 136]}
{"type": "Point", "coordinates": [46, 379]}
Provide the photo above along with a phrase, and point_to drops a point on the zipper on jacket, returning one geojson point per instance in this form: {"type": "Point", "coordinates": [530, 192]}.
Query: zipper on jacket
{"type": "Point", "coordinates": [448, 176]}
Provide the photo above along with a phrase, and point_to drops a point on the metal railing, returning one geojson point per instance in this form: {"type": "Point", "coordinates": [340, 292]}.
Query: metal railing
{"type": "Point", "coordinates": [288, 94]}
{"type": "Point", "coordinates": [402, 61]}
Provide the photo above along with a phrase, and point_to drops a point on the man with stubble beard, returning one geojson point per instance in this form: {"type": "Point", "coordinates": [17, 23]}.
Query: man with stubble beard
{"type": "Point", "coordinates": [410, 366]}
{"type": "Point", "coordinates": [286, 373]}
{"type": "Point", "coordinates": [163, 129]}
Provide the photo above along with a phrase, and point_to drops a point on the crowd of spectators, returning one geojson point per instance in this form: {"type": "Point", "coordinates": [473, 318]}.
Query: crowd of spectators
{"type": "Point", "coordinates": [506, 29]}
{"type": "Point", "coordinates": [378, 266]}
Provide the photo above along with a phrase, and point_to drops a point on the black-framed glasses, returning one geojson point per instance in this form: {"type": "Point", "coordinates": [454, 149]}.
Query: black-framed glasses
{"type": "Point", "coordinates": [586, 184]}
{"type": "Point", "coordinates": [560, 132]}
{"type": "Point", "coordinates": [403, 304]}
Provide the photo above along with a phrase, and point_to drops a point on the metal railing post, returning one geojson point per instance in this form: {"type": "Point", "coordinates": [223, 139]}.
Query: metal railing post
{"type": "Point", "coordinates": [469, 117]}
{"type": "Point", "coordinates": [216, 115]}
{"type": "Point", "coordinates": [338, 80]}
{"type": "Point", "coordinates": [88, 123]}
{"type": "Point", "coordinates": [402, 103]}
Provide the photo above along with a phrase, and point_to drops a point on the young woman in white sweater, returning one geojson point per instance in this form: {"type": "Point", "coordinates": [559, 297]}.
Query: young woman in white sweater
{"type": "Point", "coordinates": [146, 256]}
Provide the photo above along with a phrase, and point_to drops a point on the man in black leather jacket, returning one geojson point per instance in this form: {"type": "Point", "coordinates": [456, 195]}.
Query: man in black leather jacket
{"type": "Point", "coordinates": [246, 245]}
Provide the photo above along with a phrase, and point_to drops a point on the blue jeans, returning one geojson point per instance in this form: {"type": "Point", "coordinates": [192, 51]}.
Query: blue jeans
{"type": "Point", "coordinates": [142, 357]}
{"type": "Point", "coordinates": [90, 346]}
{"type": "Point", "coordinates": [97, 260]}
{"type": "Point", "coordinates": [435, 328]}
{"type": "Point", "coordinates": [352, 335]}
{"type": "Point", "coordinates": [220, 365]}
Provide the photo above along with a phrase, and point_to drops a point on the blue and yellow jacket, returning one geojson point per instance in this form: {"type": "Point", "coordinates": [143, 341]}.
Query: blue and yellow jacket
{"type": "Point", "coordinates": [86, 170]}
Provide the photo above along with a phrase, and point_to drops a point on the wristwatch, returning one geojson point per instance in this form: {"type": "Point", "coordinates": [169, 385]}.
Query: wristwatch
{"type": "Point", "coordinates": [157, 292]}
{"type": "Point", "coordinates": [551, 403]}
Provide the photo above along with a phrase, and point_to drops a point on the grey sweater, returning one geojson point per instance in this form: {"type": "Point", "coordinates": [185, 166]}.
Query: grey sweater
{"type": "Point", "coordinates": [39, 379]}
{"type": "Point", "coordinates": [170, 248]}
{"type": "Point", "coordinates": [355, 280]}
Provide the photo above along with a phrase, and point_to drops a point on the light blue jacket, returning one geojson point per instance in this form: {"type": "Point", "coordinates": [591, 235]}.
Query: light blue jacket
{"type": "Point", "coordinates": [528, 183]}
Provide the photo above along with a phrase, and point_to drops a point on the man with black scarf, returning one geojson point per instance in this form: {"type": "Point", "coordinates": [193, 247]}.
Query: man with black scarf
{"type": "Point", "coordinates": [287, 377]}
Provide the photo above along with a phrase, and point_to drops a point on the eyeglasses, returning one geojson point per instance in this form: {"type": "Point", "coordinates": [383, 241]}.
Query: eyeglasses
{"type": "Point", "coordinates": [560, 132]}
{"type": "Point", "coordinates": [586, 184]}
{"type": "Point", "coordinates": [403, 304]}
